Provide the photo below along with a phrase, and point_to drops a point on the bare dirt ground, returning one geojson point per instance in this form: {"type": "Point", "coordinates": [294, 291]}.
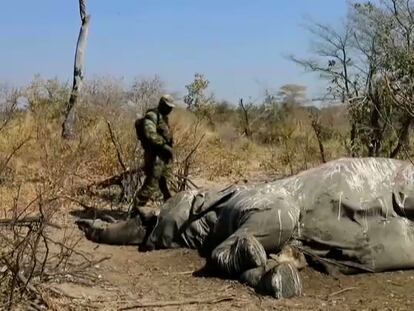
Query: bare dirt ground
{"type": "Point", "coordinates": [146, 280]}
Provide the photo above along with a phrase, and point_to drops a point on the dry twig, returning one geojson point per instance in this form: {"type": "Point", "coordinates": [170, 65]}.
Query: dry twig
{"type": "Point", "coordinates": [171, 303]}
{"type": "Point", "coordinates": [342, 291]}
{"type": "Point", "coordinates": [116, 145]}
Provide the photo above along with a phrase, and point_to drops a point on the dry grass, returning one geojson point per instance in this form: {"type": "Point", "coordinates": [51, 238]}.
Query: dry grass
{"type": "Point", "coordinates": [222, 152]}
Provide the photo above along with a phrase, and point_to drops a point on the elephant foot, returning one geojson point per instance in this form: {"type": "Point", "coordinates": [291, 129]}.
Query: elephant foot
{"type": "Point", "coordinates": [281, 281]}
{"type": "Point", "coordinates": [128, 232]}
{"type": "Point", "coordinates": [252, 277]}
{"type": "Point", "coordinates": [243, 254]}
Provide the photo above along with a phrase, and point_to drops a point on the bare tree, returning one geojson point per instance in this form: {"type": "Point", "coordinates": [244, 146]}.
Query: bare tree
{"type": "Point", "coordinates": [333, 48]}
{"type": "Point", "coordinates": [103, 94]}
{"type": "Point", "coordinates": [386, 32]}
{"type": "Point", "coordinates": [319, 133]}
{"type": "Point", "coordinates": [68, 127]}
{"type": "Point", "coordinates": [8, 105]}
{"type": "Point", "coordinates": [292, 95]}
{"type": "Point", "coordinates": [368, 65]}
{"type": "Point", "coordinates": [145, 93]}
{"type": "Point", "coordinates": [245, 110]}
{"type": "Point", "coordinates": [398, 77]}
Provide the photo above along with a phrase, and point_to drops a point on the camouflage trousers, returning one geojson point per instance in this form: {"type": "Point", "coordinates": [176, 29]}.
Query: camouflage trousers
{"type": "Point", "coordinates": [158, 175]}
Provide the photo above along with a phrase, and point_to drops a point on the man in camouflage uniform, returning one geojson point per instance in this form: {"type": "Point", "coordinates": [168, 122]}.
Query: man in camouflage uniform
{"type": "Point", "coordinates": [156, 139]}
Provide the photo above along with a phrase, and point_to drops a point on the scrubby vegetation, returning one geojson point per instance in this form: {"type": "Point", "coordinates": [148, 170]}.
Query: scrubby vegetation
{"type": "Point", "coordinates": [231, 140]}
{"type": "Point", "coordinates": [369, 68]}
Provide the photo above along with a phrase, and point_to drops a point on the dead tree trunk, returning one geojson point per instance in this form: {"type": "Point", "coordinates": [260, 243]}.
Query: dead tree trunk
{"type": "Point", "coordinates": [68, 127]}
{"type": "Point", "coordinates": [245, 118]}
{"type": "Point", "coordinates": [317, 128]}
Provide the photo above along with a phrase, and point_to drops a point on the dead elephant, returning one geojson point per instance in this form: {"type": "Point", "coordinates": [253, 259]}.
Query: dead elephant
{"type": "Point", "coordinates": [349, 215]}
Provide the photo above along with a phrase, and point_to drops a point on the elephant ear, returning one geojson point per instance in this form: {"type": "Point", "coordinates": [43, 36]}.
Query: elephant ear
{"type": "Point", "coordinates": [205, 202]}
{"type": "Point", "coordinates": [173, 216]}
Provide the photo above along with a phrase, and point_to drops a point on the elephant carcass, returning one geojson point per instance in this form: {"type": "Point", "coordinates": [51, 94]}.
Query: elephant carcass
{"type": "Point", "coordinates": [355, 214]}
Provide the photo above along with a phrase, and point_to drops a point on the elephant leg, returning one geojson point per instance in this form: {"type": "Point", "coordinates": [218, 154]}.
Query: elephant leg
{"type": "Point", "coordinates": [280, 280]}
{"type": "Point", "coordinates": [128, 232]}
{"type": "Point", "coordinates": [238, 253]}
{"type": "Point", "coordinates": [260, 231]}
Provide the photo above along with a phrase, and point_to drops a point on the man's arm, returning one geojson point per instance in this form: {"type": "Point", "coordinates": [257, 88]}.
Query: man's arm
{"type": "Point", "coordinates": [150, 129]}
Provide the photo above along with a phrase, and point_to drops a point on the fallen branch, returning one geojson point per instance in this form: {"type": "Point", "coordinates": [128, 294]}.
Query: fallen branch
{"type": "Point", "coordinates": [128, 181]}
{"type": "Point", "coordinates": [62, 245]}
{"type": "Point", "coordinates": [290, 305]}
{"type": "Point", "coordinates": [179, 273]}
{"type": "Point", "coordinates": [114, 180]}
{"type": "Point", "coordinates": [162, 304]}
{"type": "Point", "coordinates": [93, 263]}
{"type": "Point", "coordinates": [84, 205]}
{"type": "Point", "coordinates": [59, 292]}
{"type": "Point", "coordinates": [27, 221]}
{"type": "Point", "coordinates": [187, 180]}
{"type": "Point", "coordinates": [342, 291]}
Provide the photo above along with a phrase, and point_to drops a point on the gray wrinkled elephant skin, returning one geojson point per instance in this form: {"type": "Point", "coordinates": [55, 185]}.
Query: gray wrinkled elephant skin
{"type": "Point", "coordinates": [355, 214]}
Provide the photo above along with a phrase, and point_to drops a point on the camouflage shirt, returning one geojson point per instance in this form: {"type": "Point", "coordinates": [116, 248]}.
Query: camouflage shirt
{"type": "Point", "coordinates": [156, 130]}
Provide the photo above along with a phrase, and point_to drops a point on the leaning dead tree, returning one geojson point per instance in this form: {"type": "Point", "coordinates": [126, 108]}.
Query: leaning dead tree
{"type": "Point", "coordinates": [68, 127]}
{"type": "Point", "coordinates": [245, 112]}
{"type": "Point", "coordinates": [318, 130]}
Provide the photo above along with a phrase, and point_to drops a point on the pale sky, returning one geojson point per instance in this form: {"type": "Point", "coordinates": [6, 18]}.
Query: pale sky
{"type": "Point", "coordinates": [240, 45]}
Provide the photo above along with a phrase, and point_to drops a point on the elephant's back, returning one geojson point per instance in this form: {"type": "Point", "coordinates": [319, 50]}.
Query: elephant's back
{"type": "Point", "coordinates": [356, 178]}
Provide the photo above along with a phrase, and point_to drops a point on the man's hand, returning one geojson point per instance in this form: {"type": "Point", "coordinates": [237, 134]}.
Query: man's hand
{"type": "Point", "coordinates": [166, 153]}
